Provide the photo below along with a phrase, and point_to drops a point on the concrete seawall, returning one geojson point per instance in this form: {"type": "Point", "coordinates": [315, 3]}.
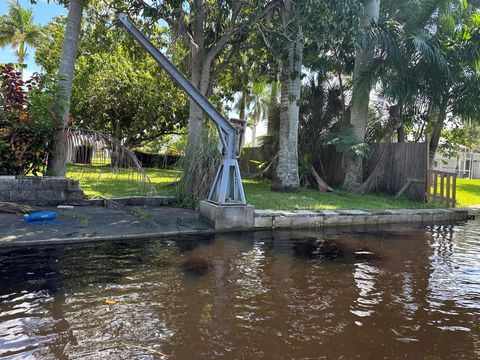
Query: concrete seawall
{"type": "Point", "coordinates": [277, 219]}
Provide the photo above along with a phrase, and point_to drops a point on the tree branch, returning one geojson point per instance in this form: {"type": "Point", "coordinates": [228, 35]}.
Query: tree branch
{"type": "Point", "coordinates": [220, 67]}
{"type": "Point", "coordinates": [235, 29]}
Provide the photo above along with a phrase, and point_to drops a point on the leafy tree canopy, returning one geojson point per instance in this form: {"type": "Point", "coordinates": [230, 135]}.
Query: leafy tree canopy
{"type": "Point", "coordinates": [117, 87]}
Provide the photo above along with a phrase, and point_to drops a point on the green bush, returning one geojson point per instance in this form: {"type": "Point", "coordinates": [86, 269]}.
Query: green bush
{"type": "Point", "coordinates": [27, 118]}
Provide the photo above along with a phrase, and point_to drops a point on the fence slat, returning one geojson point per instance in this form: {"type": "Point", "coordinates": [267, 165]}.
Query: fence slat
{"type": "Point", "coordinates": [442, 188]}
{"type": "Point", "coordinates": [454, 190]}
{"type": "Point", "coordinates": [447, 195]}
{"type": "Point", "coordinates": [439, 191]}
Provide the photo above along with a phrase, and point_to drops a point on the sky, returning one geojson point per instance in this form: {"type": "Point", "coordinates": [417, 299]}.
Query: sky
{"type": "Point", "coordinates": [43, 12]}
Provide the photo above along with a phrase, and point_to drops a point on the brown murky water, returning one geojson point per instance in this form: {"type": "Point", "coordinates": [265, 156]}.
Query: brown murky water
{"type": "Point", "coordinates": [393, 294]}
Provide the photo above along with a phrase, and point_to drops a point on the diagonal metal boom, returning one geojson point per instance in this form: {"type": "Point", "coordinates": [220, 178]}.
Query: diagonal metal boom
{"type": "Point", "coordinates": [227, 187]}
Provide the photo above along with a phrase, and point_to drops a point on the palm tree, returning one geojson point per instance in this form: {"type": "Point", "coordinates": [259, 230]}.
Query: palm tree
{"type": "Point", "coordinates": [259, 101]}
{"type": "Point", "coordinates": [57, 159]}
{"type": "Point", "coordinates": [286, 173]}
{"type": "Point", "coordinates": [243, 102]}
{"type": "Point", "coordinates": [426, 57]}
{"type": "Point", "coordinates": [410, 66]}
{"type": "Point", "coordinates": [361, 97]}
{"type": "Point", "coordinates": [17, 29]}
{"type": "Point", "coordinates": [458, 94]}
{"type": "Point", "coordinates": [252, 105]}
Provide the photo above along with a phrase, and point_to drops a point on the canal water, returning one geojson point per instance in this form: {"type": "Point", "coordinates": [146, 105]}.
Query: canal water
{"type": "Point", "coordinates": [394, 293]}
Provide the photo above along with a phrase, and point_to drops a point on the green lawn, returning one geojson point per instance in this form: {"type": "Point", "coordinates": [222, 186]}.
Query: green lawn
{"type": "Point", "coordinates": [468, 192]}
{"type": "Point", "coordinates": [259, 195]}
{"type": "Point", "coordinates": [96, 182]}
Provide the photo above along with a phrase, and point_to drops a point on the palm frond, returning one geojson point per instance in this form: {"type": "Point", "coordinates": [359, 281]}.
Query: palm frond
{"type": "Point", "coordinates": [16, 27]}
{"type": "Point", "coordinates": [384, 37]}
{"type": "Point", "coordinates": [430, 53]}
{"type": "Point", "coordinates": [422, 12]}
{"type": "Point", "coordinates": [366, 80]}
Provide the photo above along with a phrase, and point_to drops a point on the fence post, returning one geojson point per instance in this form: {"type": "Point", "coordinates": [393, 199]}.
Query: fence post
{"type": "Point", "coordinates": [449, 178]}
{"type": "Point", "coordinates": [454, 190]}
{"type": "Point", "coordinates": [428, 185]}
{"type": "Point", "coordinates": [442, 187]}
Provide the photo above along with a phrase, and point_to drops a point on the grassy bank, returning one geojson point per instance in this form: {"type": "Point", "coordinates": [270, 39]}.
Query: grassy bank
{"type": "Point", "coordinates": [259, 195]}
{"type": "Point", "coordinates": [468, 192]}
{"type": "Point", "coordinates": [96, 182]}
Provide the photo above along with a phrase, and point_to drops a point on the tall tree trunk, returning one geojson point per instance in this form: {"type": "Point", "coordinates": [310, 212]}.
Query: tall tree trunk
{"type": "Point", "coordinates": [21, 58]}
{"type": "Point", "coordinates": [401, 134]}
{"type": "Point", "coordinates": [254, 133]}
{"type": "Point", "coordinates": [286, 177]}
{"type": "Point", "coordinates": [115, 156]}
{"type": "Point", "coordinates": [195, 115]}
{"type": "Point", "coordinates": [201, 79]}
{"type": "Point", "coordinates": [272, 107]}
{"type": "Point", "coordinates": [243, 104]}
{"type": "Point", "coordinates": [360, 102]}
{"type": "Point", "coordinates": [197, 68]}
{"type": "Point", "coordinates": [442, 115]}
{"type": "Point", "coordinates": [57, 158]}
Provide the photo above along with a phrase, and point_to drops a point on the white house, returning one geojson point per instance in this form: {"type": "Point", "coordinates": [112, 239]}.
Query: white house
{"type": "Point", "coordinates": [466, 164]}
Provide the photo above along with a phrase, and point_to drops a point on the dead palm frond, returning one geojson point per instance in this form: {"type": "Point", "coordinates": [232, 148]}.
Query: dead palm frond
{"type": "Point", "coordinates": [10, 207]}
{"type": "Point", "coordinates": [112, 159]}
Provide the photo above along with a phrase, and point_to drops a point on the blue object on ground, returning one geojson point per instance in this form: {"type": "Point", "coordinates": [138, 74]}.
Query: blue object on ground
{"type": "Point", "coordinates": [43, 222]}
{"type": "Point", "coordinates": [39, 216]}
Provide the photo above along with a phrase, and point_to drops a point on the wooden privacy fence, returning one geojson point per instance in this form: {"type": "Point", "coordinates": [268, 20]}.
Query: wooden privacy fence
{"type": "Point", "coordinates": [442, 187]}
{"type": "Point", "coordinates": [403, 170]}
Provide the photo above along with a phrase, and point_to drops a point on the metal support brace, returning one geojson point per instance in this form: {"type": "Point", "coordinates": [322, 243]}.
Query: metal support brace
{"type": "Point", "coordinates": [227, 188]}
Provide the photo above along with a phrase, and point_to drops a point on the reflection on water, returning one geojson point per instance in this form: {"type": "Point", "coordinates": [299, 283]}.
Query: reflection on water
{"type": "Point", "coordinates": [401, 293]}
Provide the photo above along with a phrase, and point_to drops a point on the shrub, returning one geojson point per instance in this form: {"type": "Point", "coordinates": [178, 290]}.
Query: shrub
{"type": "Point", "coordinates": [27, 117]}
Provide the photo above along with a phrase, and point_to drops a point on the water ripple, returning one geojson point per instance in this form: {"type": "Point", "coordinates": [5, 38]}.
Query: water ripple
{"type": "Point", "coordinates": [401, 293]}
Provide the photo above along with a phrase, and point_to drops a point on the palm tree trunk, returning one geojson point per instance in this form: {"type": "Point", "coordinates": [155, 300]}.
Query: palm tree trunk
{"type": "Point", "coordinates": [57, 162]}
{"type": "Point", "coordinates": [243, 104]}
{"type": "Point", "coordinates": [21, 57]}
{"type": "Point", "coordinates": [401, 136]}
{"type": "Point", "coordinates": [272, 105]}
{"type": "Point", "coordinates": [359, 108]}
{"type": "Point", "coordinates": [254, 133]}
{"type": "Point", "coordinates": [286, 177]}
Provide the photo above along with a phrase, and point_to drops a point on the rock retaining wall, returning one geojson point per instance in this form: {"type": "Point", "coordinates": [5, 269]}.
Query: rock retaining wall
{"type": "Point", "coordinates": [40, 191]}
{"type": "Point", "coordinates": [270, 219]}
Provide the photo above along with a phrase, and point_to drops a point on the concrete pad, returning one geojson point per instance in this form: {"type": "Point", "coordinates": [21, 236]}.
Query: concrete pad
{"type": "Point", "coordinates": [227, 217]}
{"type": "Point", "coordinates": [87, 223]}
